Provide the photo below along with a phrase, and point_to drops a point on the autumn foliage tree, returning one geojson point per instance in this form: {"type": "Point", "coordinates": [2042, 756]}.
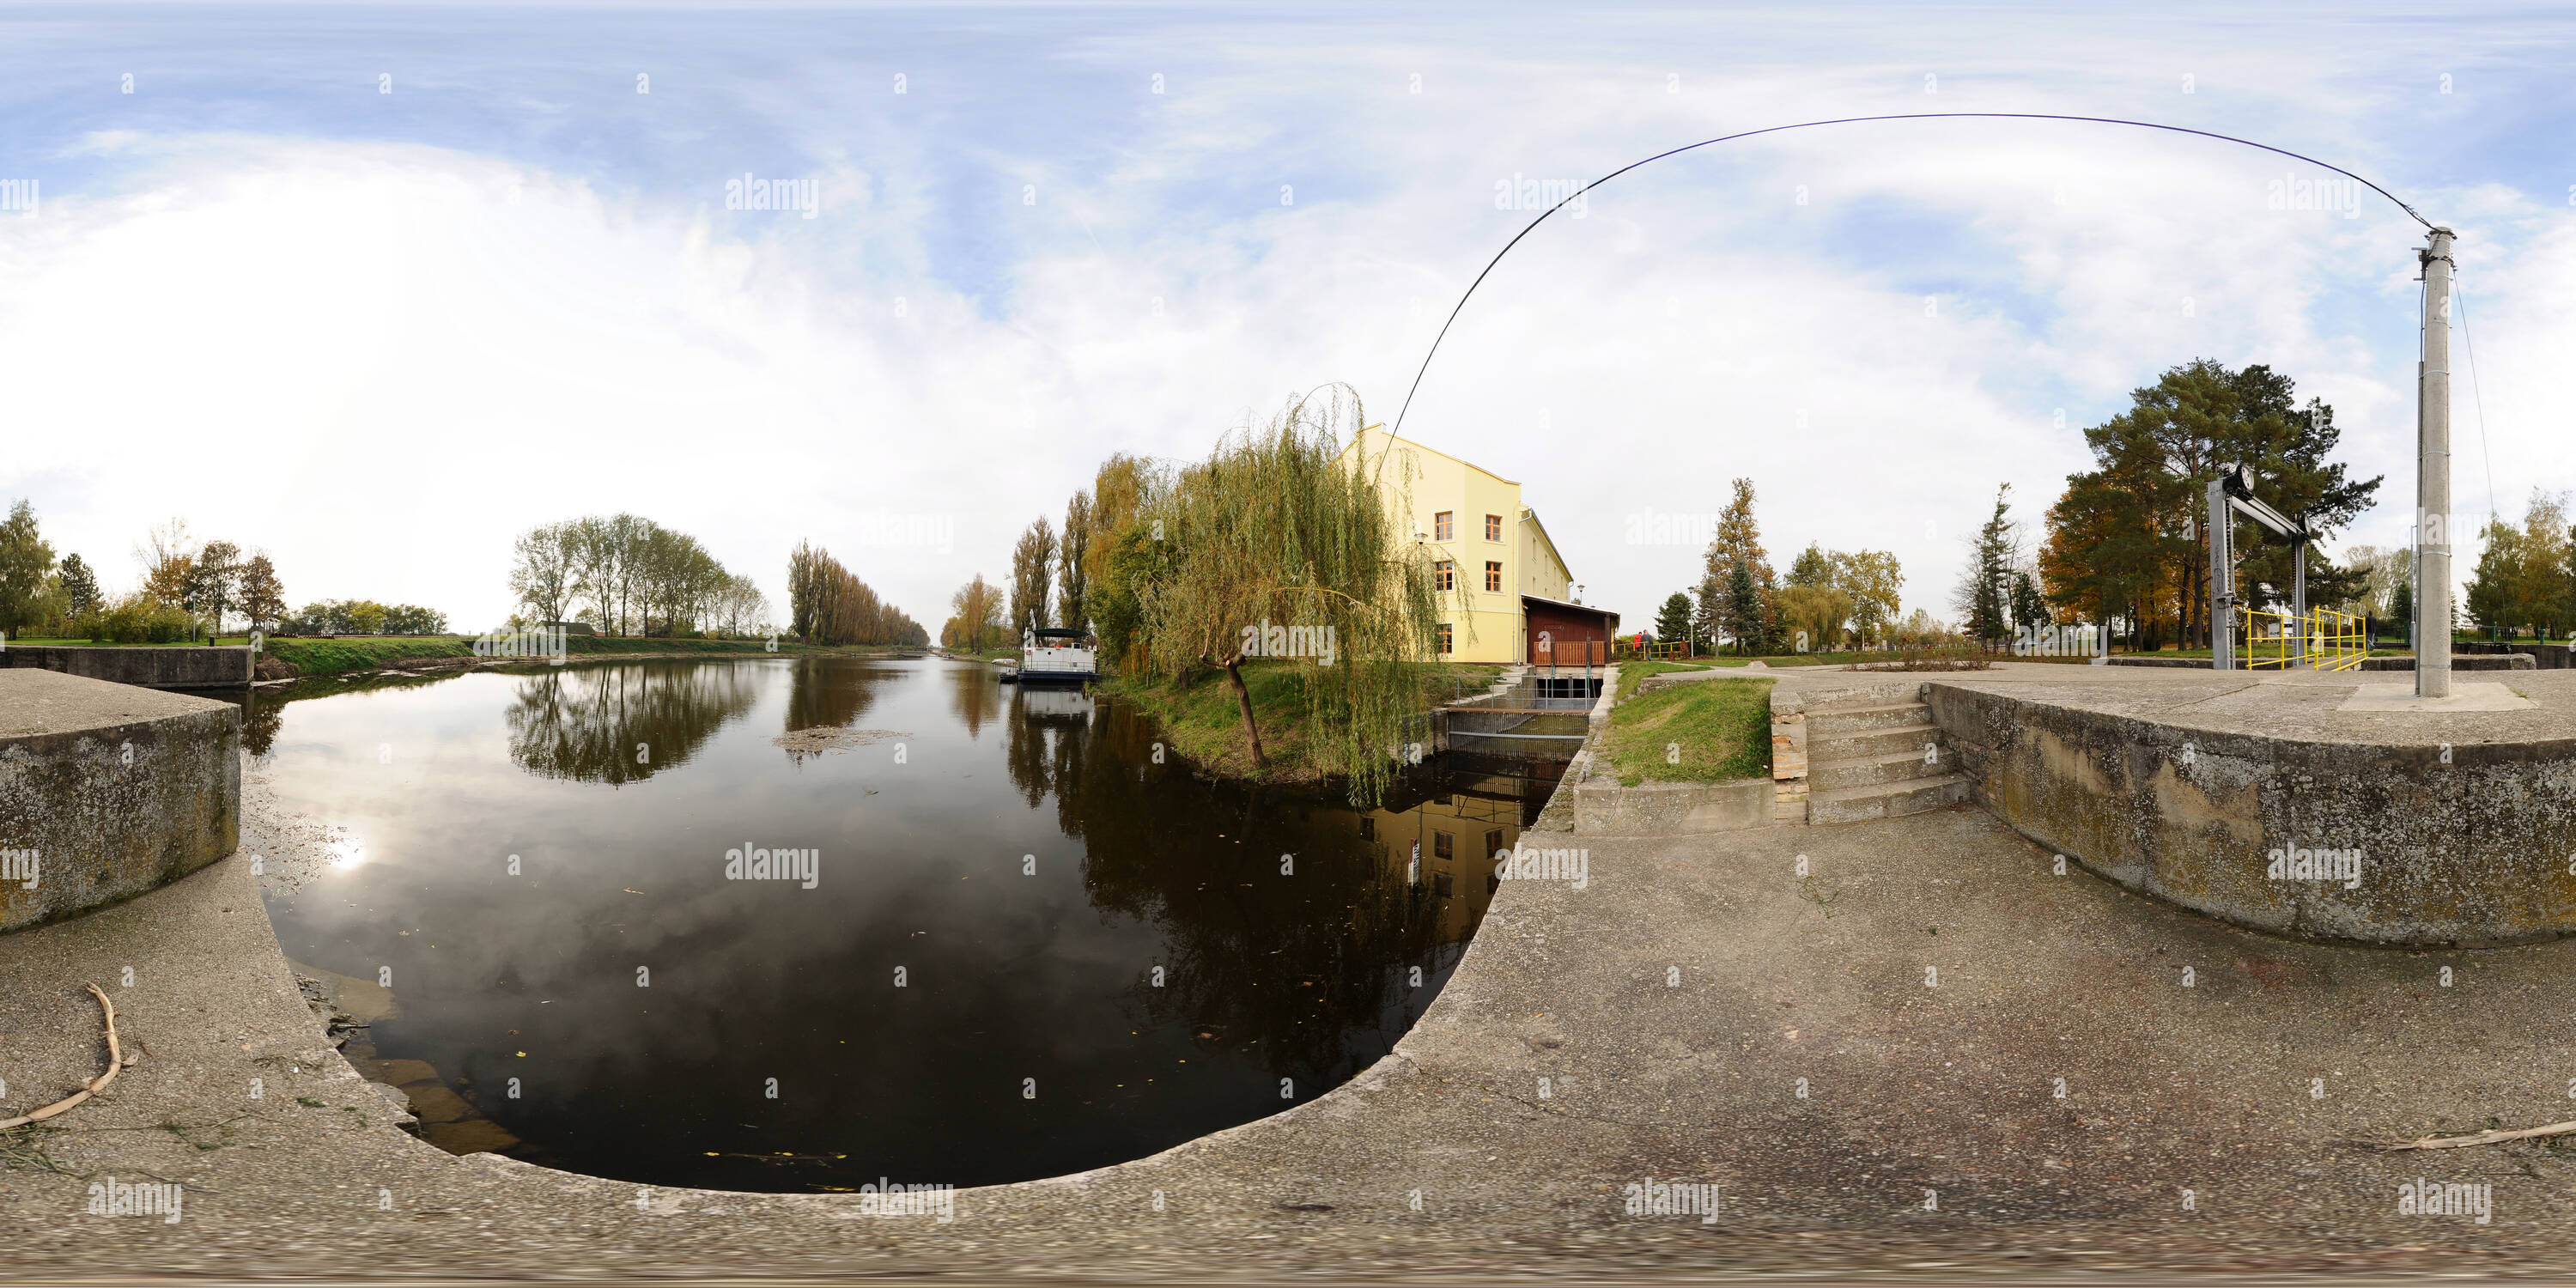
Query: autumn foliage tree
{"type": "Point", "coordinates": [828, 604]}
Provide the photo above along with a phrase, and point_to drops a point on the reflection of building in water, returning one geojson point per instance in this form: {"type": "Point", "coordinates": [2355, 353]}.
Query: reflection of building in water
{"type": "Point", "coordinates": [1442, 830]}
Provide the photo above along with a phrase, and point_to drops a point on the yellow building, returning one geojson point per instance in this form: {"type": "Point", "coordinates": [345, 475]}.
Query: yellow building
{"type": "Point", "coordinates": [1491, 555]}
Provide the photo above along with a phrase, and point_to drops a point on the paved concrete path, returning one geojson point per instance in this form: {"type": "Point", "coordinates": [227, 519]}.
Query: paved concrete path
{"type": "Point", "coordinates": [1655, 1024]}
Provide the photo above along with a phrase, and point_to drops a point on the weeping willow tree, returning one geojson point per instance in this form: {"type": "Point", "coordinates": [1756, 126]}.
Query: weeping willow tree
{"type": "Point", "coordinates": [1277, 545]}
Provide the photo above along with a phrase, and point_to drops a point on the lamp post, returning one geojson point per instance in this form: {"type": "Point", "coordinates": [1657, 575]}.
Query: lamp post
{"type": "Point", "coordinates": [2433, 475]}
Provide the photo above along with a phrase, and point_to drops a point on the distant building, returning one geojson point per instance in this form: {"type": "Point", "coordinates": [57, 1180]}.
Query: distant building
{"type": "Point", "coordinates": [1506, 594]}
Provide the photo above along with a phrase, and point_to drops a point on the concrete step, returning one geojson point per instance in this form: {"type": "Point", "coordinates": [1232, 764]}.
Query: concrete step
{"type": "Point", "coordinates": [1873, 742]}
{"type": "Point", "coordinates": [1889, 800]}
{"type": "Point", "coordinates": [1834, 720]}
{"type": "Point", "coordinates": [1871, 771]}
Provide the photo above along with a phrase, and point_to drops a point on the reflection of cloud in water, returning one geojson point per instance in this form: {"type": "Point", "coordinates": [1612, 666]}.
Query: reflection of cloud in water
{"type": "Point", "coordinates": [624, 723]}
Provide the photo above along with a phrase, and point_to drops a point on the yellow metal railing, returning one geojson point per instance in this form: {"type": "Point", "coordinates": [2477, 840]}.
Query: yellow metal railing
{"type": "Point", "coordinates": [1675, 648]}
{"type": "Point", "coordinates": [2271, 640]}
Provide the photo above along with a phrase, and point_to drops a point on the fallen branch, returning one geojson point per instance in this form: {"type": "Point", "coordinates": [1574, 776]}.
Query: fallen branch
{"type": "Point", "coordinates": [2485, 1137]}
{"type": "Point", "coordinates": [115, 1060]}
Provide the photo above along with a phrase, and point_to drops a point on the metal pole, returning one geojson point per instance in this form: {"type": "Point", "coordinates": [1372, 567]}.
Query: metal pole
{"type": "Point", "coordinates": [2299, 595]}
{"type": "Point", "coordinates": [2433, 489]}
{"type": "Point", "coordinates": [2222, 582]}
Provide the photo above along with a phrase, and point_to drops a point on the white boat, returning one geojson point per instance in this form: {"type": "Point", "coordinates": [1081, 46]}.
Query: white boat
{"type": "Point", "coordinates": [1056, 655]}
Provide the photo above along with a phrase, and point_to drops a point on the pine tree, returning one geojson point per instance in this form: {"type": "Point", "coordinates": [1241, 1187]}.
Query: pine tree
{"type": "Point", "coordinates": [80, 586]}
{"type": "Point", "coordinates": [1745, 619]}
{"type": "Point", "coordinates": [2029, 610]}
{"type": "Point", "coordinates": [1983, 598]}
{"type": "Point", "coordinates": [1673, 621]}
{"type": "Point", "coordinates": [1738, 540]}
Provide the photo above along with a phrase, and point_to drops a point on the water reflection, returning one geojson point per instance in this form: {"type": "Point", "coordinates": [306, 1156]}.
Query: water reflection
{"type": "Point", "coordinates": [625, 723]}
{"type": "Point", "coordinates": [1050, 906]}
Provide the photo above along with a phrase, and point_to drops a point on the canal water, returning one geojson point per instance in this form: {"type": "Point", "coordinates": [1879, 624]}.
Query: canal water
{"type": "Point", "coordinates": [802, 924]}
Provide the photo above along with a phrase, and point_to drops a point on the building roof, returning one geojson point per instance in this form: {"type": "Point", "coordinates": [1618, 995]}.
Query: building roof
{"type": "Point", "coordinates": [1360, 443]}
{"type": "Point", "coordinates": [1564, 607]}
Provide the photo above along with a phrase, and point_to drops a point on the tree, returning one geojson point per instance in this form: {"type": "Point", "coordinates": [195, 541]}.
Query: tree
{"type": "Point", "coordinates": [1275, 532]}
{"type": "Point", "coordinates": [25, 563]}
{"type": "Point", "coordinates": [1032, 574]}
{"type": "Point", "coordinates": [977, 623]}
{"type": "Point", "coordinates": [167, 556]}
{"type": "Point", "coordinates": [2127, 535]}
{"type": "Point", "coordinates": [263, 600]}
{"type": "Point", "coordinates": [2492, 593]}
{"type": "Point", "coordinates": [1983, 598]}
{"type": "Point", "coordinates": [545, 569]}
{"type": "Point", "coordinates": [1072, 569]}
{"type": "Point", "coordinates": [213, 583]}
{"type": "Point", "coordinates": [827, 604]}
{"type": "Point", "coordinates": [1812, 567]}
{"type": "Point", "coordinates": [1741, 609]}
{"type": "Point", "coordinates": [1708, 610]}
{"type": "Point", "coordinates": [2029, 607]}
{"type": "Point", "coordinates": [1875, 581]}
{"type": "Point", "coordinates": [80, 587]}
{"type": "Point", "coordinates": [1738, 540]}
{"type": "Point", "coordinates": [1817, 610]}
{"type": "Point", "coordinates": [1673, 622]}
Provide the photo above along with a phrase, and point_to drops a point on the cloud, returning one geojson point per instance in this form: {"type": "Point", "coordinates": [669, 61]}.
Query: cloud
{"type": "Point", "coordinates": [382, 359]}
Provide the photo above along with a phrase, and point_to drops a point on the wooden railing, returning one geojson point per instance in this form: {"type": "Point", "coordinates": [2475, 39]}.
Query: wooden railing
{"type": "Point", "coordinates": [1546, 652]}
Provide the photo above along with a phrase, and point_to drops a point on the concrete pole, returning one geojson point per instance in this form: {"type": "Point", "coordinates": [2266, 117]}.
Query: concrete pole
{"type": "Point", "coordinates": [2433, 472]}
{"type": "Point", "coordinates": [2222, 582]}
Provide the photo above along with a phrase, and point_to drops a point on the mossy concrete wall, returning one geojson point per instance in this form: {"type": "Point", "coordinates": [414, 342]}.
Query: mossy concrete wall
{"type": "Point", "coordinates": [2467, 844]}
{"type": "Point", "coordinates": [107, 790]}
{"type": "Point", "coordinates": [177, 666]}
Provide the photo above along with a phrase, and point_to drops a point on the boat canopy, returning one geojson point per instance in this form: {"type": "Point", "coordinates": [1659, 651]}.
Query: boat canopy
{"type": "Point", "coordinates": [1059, 633]}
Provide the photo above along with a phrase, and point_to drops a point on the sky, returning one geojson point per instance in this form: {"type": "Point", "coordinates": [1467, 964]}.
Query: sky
{"type": "Point", "coordinates": [378, 287]}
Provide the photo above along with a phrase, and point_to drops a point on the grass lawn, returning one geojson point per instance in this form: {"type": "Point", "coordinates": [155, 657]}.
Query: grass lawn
{"type": "Point", "coordinates": [1632, 672]}
{"type": "Point", "coordinates": [1708, 731]}
{"type": "Point", "coordinates": [1202, 722]}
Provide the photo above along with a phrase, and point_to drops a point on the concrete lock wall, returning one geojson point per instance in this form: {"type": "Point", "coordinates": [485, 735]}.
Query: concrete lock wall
{"type": "Point", "coordinates": [2472, 851]}
{"type": "Point", "coordinates": [1672, 809]}
{"type": "Point", "coordinates": [107, 791]}
{"type": "Point", "coordinates": [179, 666]}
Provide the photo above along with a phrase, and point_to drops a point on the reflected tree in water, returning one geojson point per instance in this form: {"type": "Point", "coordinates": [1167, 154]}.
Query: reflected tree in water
{"type": "Point", "coordinates": [586, 723]}
{"type": "Point", "coordinates": [975, 695]}
{"type": "Point", "coordinates": [1294, 968]}
{"type": "Point", "coordinates": [1049, 729]}
{"type": "Point", "coordinates": [823, 695]}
